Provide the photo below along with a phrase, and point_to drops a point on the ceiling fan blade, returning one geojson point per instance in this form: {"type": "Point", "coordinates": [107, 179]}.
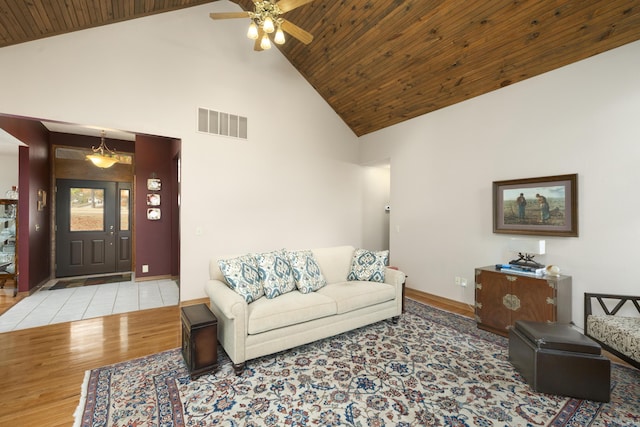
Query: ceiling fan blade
{"type": "Point", "coordinates": [287, 5]}
{"type": "Point", "coordinates": [256, 45]}
{"type": "Point", "coordinates": [229, 15]}
{"type": "Point", "coordinates": [297, 32]}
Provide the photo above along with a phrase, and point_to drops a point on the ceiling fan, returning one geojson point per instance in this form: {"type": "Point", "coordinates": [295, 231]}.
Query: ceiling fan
{"type": "Point", "coordinates": [265, 19]}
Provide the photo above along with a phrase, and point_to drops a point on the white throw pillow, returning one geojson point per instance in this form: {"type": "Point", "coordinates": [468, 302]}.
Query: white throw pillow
{"type": "Point", "coordinates": [275, 273]}
{"type": "Point", "coordinates": [242, 276]}
{"type": "Point", "coordinates": [368, 266]}
{"type": "Point", "coordinates": [306, 271]}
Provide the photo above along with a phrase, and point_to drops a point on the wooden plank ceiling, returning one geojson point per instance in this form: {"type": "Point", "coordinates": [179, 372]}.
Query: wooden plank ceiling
{"type": "Point", "coordinates": [381, 62]}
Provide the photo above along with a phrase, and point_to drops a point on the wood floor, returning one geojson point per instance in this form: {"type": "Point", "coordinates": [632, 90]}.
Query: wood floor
{"type": "Point", "coordinates": [41, 369]}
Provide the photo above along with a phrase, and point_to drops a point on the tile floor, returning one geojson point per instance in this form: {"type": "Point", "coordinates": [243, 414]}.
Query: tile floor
{"type": "Point", "coordinates": [46, 307]}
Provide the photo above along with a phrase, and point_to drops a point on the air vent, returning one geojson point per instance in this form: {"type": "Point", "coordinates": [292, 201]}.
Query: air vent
{"type": "Point", "coordinates": [219, 123]}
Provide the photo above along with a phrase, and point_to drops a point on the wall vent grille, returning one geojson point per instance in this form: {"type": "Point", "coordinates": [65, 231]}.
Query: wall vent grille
{"type": "Point", "coordinates": [219, 123]}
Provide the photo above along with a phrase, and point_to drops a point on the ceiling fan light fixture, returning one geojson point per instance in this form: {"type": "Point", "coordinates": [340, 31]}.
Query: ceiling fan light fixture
{"type": "Point", "coordinates": [265, 19]}
{"type": "Point", "coordinates": [265, 43]}
{"type": "Point", "coordinates": [267, 26]}
{"type": "Point", "coordinates": [279, 37]}
{"type": "Point", "coordinates": [252, 33]}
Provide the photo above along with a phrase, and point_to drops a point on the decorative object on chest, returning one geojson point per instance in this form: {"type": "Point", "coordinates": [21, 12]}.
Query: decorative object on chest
{"type": "Point", "coordinates": [503, 297]}
{"type": "Point", "coordinates": [199, 339]}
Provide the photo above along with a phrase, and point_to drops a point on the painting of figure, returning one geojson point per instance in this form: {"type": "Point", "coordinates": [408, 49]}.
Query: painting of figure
{"type": "Point", "coordinates": [536, 206]}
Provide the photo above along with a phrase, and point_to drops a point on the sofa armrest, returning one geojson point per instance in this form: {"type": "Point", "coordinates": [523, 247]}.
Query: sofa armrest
{"type": "Point", "coordinates": [231, 310]}
{"type": "Point", "coordinates": [394, 277]}
{"type": "Point", "coordinates": [226, 300]}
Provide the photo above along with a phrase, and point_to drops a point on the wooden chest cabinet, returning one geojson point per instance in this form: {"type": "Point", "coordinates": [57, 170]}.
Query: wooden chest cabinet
{"type": "Point", "coordinates": [503, 298]}
{"type": "Point", "coordinates": [199, 339]}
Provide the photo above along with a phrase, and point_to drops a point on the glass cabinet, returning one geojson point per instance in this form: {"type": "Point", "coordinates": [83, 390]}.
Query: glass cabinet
{"type": "Point", "coordinates": [9, 244]}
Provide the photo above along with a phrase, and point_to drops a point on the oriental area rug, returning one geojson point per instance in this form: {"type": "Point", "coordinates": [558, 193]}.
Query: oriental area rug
{"type": "Point", "coordinates": [433, 368]}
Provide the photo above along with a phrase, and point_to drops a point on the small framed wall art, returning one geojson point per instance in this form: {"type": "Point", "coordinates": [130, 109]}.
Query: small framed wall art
{"type": "Point", "coordinates": [154, 184]}
{"type": "Point", "coordinates": [154, 214]}
{"type": "Point", "coordinates": [153, 199]}
{"type": "Point", "coordinates": [546, 206]}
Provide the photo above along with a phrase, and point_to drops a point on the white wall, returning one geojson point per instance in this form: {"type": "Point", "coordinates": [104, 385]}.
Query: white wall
{"type": "Point", "coordinates": [294, 183]}
{"type": "Point", "coordinates": [579, 119]}
{"type": "Point", "coordinates": [8, 169]}
{"type": "Point", "coordinates": [8, 162]}
{"type": "Point", "coordinates": [375, 196]}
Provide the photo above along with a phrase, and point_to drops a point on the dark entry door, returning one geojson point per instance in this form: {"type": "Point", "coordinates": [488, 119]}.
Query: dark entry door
{"type": "Point", "coordinates": [93, 227]}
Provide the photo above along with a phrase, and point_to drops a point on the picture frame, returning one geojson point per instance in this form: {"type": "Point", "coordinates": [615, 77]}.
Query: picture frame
{"type": "Point", "coordinates": [153, 199]}
{"type": "Point", "coordinates": [154, 184]}
{"type": "Point", "coordinates": [154, 214]}
{"type": "Point", "coordinates": [545, 206]}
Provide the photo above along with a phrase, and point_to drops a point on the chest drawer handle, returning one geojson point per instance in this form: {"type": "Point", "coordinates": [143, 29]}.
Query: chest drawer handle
{"type": "Point", "coordinates": [512, 302]}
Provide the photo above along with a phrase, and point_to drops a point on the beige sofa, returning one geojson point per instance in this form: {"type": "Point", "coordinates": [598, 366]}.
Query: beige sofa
{"type": "Point", "coordinates": [265, 326]}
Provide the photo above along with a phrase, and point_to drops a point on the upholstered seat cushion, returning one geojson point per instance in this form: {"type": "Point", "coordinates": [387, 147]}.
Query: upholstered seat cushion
{"type": "Point", "coordinates": [618, 332]}
{"type": "Point", "coordinates": [286, 310]}
{"type": "Point", "coordinates": [351, 296]}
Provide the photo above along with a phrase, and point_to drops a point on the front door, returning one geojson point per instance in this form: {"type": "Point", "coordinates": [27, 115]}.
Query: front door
{"type": "Point", "coordinates": [93, 227]}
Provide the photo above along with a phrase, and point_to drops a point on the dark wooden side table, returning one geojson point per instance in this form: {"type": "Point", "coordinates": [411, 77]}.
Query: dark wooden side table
{"type": "Point", "coordinates": [502, 298]}
{"type": "Point", "coordinates": [199, 339]}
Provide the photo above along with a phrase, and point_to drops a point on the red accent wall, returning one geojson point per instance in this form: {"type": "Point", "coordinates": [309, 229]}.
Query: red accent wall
{"type": "Point", "coordinates": [34, 263]}
{"type": "Point", "coordinates": [154, 239]}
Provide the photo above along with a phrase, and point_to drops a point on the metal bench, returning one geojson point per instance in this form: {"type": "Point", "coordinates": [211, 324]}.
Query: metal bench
{"type": "Point", "coordinates": [618, 334]}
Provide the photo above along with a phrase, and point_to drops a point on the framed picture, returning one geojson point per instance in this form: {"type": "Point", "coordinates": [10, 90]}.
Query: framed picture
{"type": "Point", "coordinates": [154, 184]}
{"type": "Point", "coordinates": [546, 206]}
{"type": "Point", "coordinates": [153, 199]}
{"type": "Point", "coordinates": [153, 214]}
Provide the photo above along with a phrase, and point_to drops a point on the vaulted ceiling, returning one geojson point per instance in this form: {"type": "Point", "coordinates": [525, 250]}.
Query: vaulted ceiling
{"type": "Point", "coordinates": [380, 62]}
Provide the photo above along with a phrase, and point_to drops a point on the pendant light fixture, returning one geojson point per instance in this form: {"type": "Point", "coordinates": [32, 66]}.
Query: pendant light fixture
{"type": "Point", "coordinates": [103, 157]}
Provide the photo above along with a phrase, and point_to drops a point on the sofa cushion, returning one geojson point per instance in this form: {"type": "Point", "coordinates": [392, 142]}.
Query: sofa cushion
{"type": "Point", "coordinates": [275, 273]}
{"type": "Point", "coordinates": [335, 262]}
{"type": "Point", "coordinates": [289, 309]}
{"type": "Point", "coordinates": [351, 296]}
{"type": "Point", "coordinates": [241, 274]}
{"type": "Point", "coordinates": [306, 271]}
{"type": "Point", "coordinates": [368, 265]}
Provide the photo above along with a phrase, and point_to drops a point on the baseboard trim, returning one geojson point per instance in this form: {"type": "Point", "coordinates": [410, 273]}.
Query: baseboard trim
{"type": "Point", "coordinates": [457, 306]}
{"type": "Point", "coordinates": [149, 278]}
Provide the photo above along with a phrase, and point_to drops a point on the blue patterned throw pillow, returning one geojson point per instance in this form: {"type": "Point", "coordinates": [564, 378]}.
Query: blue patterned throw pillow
{"type": "Point", "coordinates": [275, 273]}
{"type": "Point", "coordinates": [368, 266]}
{"type": "Point", "coordinates": [242, 276]}
{"type": "Point", "coordinates": [306, 271]}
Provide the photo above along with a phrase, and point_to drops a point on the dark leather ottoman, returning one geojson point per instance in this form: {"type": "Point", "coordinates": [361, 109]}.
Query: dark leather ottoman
{"type": "Point", "coordinates": [556, 359]}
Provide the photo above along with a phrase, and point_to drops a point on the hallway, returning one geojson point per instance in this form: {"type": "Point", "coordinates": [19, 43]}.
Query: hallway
{"type": "Point", "coordinates": [46, 307]}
